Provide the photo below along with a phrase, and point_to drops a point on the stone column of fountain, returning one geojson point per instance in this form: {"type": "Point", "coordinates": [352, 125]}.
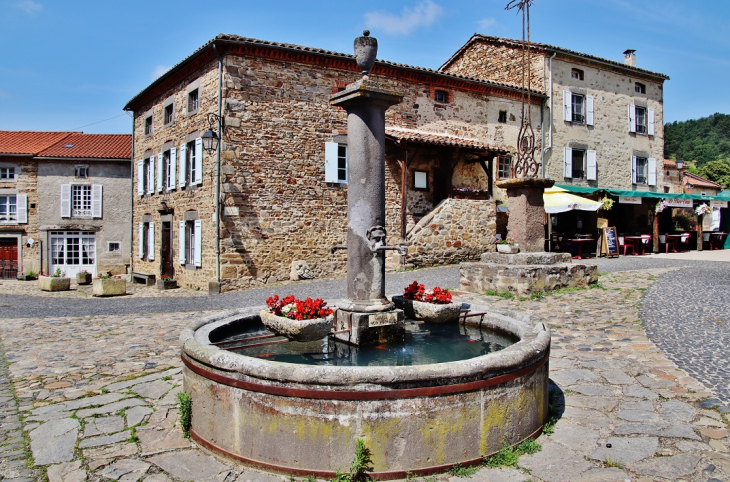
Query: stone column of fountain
{"type": "Point", "coordinates": [367, 315]}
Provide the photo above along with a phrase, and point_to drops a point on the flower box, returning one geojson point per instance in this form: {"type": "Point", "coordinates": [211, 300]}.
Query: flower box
{"type": "Point", "coordinates": [166, 284]}
{"type": "Point", "coordinates": [109, 287]}
{"type": "Point", "coordinates": [508, 248]}
{"type": "Point", "coordinates": [297, 330]}
{"type": "Point", "coordinates": [49, 283]}
{"type": "Point", "coordinates": [428, 312]}
{"type": "Point", "coordinates": [83, 278]}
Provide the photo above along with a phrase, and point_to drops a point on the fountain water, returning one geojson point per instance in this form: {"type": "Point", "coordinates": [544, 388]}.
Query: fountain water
{"type": "Point", "coordinates": [298, 408]}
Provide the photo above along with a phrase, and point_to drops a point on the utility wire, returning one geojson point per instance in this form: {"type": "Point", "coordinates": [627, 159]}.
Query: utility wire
{"type": "Point", "coordinates": [99, 122]}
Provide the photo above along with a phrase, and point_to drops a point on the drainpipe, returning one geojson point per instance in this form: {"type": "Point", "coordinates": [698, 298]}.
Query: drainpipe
{"type": "Point", "coordinates": [131, 204]}
{"type": "Point", "coordinates": [550, 121]}
{"type": "Point", "coordinates": [218, 171]}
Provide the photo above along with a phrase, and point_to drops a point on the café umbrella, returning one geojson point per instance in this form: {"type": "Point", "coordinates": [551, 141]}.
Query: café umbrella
{"type": "Point", "coordinates": [558, 200]}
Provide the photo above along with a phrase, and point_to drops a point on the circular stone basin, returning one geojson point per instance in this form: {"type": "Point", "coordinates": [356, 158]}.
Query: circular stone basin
{"type": "Point", "coordinates": [304, 419]}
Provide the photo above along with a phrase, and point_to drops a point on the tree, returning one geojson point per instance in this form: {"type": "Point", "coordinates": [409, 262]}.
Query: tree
{"type": "Point", "coordinates": [717, 171]}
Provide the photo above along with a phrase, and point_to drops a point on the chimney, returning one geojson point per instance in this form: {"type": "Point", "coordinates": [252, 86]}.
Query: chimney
{"type": "Point", "coordinates": [630, 57]}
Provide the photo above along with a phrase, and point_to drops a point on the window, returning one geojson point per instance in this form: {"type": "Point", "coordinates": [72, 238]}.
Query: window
{"type": "Point", "coordinates": [504, 168]}
{"type": "Point", "coordinates": [502, 116]}
{"type": "Point", "coordinates": [169, 168]}
{"type": "Point", "coordinates": [191, 243]}
{"type": "Point", "coordinates": [8, 209]}
{"type": "Point", "coordinates": [191, 163]}
{"type": "Point", "coordinates": [639, 88]}
{"type": "Point", "coordinates": [641, 170]}
{"type": "Point", "coordinates": [441, 96]}
{"type": "Point", "coordinates": [147, 240]}
{"type": "Point", "coordinates": [114, 247]}
{"type": "Point", "coordinates": [576, 74]}
{"type": "Point", "coordinates": [7, 174]}
{"type": "Point", "coordinates": [168, 114]}
{"type": "Point", "coordinates": [73, 248]}
{"type": "Point", "coordinates": [190, 240]}
{"type": "Point", "coordinates": [335, 165]}
{"type": "Point", "coordinates": [82, 172]}
{"type": "Point", "coordinates": [420, 180]}
{"type": "Point", "coordinates": [80, 201]}
{"type": "Point", "coordinates": [193, 101]}
{"type": "Point", "coordinates": [641, 120]}
{"type": "Point", "coordinates": [578, 163]}
{"type": "Point", "coordinates": [577, 108]}
{"type": "Point", "coordinates": [148, 126]}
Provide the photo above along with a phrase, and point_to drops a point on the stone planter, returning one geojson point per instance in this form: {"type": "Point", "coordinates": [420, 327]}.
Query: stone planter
{"type": "Point", "coordinates": [47, 283]}
{"type": "Point", "coordinates": [428, 312]}
{"type": "Point", "coordinates": [83, 278]}
{"type": "Point", "coordinates": [297, 330]}
{"type": "Point", "coordinates": [166, 284]}
{"type": "Point", "coordinates": [508, 248]}
{"type": "Point", "coordinates": [109, 287]}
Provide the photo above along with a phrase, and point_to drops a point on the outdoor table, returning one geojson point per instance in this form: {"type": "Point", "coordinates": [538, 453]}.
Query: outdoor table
{"type": "Point", "coordinates": [579, 242]}
{"type": "Point", "coordinates": [716, 239]}
{"type": "Point", "coordinates": [673, 239]}
{"type": "Point", "coordinates": [637, 242]}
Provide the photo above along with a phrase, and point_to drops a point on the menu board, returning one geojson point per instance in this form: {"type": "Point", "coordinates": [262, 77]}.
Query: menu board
{"type": "Point", "coordinates": [609, 242]}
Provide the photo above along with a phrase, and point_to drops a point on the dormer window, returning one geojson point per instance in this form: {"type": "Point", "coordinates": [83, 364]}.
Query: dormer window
{"type": "Point", "coordinates": [576, 74]}
{"type": "Point", "coordinates": [640, 88]}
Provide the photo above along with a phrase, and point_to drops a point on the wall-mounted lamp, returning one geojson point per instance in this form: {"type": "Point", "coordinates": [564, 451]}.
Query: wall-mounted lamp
{"type": "Point", "coordinates": [210, 138]}
{"type": "Point", "coordinates": [680, 164]}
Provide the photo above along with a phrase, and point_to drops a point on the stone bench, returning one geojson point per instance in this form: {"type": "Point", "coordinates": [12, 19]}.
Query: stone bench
{"type": "Point", "coordinates": [144, 278]}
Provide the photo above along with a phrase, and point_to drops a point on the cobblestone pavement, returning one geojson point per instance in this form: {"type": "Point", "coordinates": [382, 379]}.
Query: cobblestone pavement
{"type": "Point", "coordinates": [96, 393]}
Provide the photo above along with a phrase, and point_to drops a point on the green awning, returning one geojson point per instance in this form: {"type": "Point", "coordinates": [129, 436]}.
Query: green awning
{"type": "Point", "coordinates": [647, 194]}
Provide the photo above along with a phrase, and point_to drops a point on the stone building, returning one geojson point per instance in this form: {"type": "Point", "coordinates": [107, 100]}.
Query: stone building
{"type": "Point", "coordinates": [677, 181]}
{"type": "Point", "coordinates": [277, 193]}
{"type": "Point", "coordinates": [64, 202]}
{"type": "Point", "coordinates": [604, 119]}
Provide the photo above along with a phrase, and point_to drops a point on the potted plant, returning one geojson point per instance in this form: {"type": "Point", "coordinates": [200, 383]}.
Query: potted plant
{"type": "Point", "coordinates": [298, 320]}
{"type": "Point", "coordinates": [166, 282]}
{"type": "Point", "coordinates": [107, 285]}
{"type": "Point", "coordinates": [433, 306]}
{"type": "Point", "coordinates": [29, 275]}
{"type": "Point", "coordinates": [54, 282]}
{"type": "Point", "coordinates": [83, 277]}
{"type": "Point", "coordinates": [508, 245]}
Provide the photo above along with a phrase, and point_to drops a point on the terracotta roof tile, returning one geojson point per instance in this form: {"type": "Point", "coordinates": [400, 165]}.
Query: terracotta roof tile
{"type": "Point", "coordinates": [92, 146]}
{"type": "Point", "coordinates": [699, 181]}
{"type": "Point", "coordinates": [28, 142]}
{"type": "Point", "coordinates": [439, 139]}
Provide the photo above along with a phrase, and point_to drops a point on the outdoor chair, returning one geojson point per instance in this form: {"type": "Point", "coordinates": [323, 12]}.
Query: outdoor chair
{"type": "Point", "coordinates": [622, 244]}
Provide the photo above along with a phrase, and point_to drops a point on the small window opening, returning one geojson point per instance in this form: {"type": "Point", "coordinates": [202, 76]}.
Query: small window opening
{"type": "Point", "coordinates": [576, 74]}
{"type": "Point", "coordinates": [639, 88]}
{"type": "Point", "coordinates": [168, 114]}
{"type": "Point", "coordinates": [441, 96]}
{"type": "Point", "coordinates": [502, 116]}
{"type": "Point", "coordinates": [148, 126]}
{"type": "Point", "coordinates": [193, 101]}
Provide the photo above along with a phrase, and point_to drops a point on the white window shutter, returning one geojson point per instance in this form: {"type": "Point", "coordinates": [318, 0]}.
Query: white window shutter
{"type": "Point", "coordinates": [140, 178]}
{"type": "Point", "coordinates": [65, 200]}
{"type": "Point", "coordinates": [173, 168]}
{"type": "Point", "coordinates": [160, 170]}
{"type": "Point", "coordinates": [633, 169]}
{"type": "Point", "coordinates": [199, 161]}
{"type": "Point", "coordinates": [151, 243]}
{"type": "Point", "coordinates": [183, 164]}
{"type": "Point", "coordinates": [96, 200]}
{"type": "Point", "coordinates": [632, 118]}
{"type": "Point", "coordinates": [568, 163]}
{"type": "Point", "coordinates": [650, 122]}
{"type": "Point", "coordinates": [330, 162]}
{"type": "Point", "coordinates": [21, 203]}
{"type": "Point", "coordinates": [198, 243]}
{"type": "Point", "coordinates": [567, 106]}
{"type": "Point", "coordinates": [151, 175]}
{"type": "Point", "coordinates": [181, 242]}
{"type": "Point", "coordinates": [589, 110]}
{"type": "Point", "coordinates": [592, 166]}
{"type": "Point", "coordinates": [652, 172]}
{"type": "Point", "coordinates": [141, 240]}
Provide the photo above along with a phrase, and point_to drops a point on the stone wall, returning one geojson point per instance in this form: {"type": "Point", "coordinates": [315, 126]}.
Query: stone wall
{"type": "Point", "coordinates": [457, 230]}
{"type": "Point", "coordinates": [25, 183]}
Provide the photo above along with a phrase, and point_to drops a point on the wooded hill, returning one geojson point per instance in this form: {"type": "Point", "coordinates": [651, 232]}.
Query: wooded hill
{"type": "Point", "coordinates": [704, 144]}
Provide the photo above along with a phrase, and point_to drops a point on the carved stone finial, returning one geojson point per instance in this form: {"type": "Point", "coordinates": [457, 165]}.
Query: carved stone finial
{"type": "Point", "coordinates": [366, 49]}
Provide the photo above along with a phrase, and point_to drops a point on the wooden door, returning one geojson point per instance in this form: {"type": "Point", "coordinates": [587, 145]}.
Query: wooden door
{"type": "Point", "coordinates": [8, 258]}
{"type": "Point", "coordinates": [166, 249]}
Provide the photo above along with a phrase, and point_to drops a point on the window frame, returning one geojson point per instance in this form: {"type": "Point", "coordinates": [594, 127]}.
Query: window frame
{"type": "Point", "coordinates": [578, 118]}
{"type": "Point", "coordinates": [109, 247]}
{"type": "Point", "coordinates": [11, 218]}
{"type": "Point", "coordinates": [580, 155]}
{"type": "Point", "coordinates": [504, 167]}
{"type": "Point", "coordinates": [577, 74]}
{"type": "Point", "coordinates": [644, 163]}
{"type": "Point", "coordinates": [642, 112]}
{"type": "Point", "coordinates": [168, 105]}
{"type": "Point", "coordinates": [84, 195]}
{"type": "Point", "coordinates": [81, 171]}
{"type": "Point", "coordinates": [420, 175]}
{"type": "Point", "coordinates": [190, 244]}
{"type": "Point", "coordinates": [148, 131]}
{"type": "Point", "coordinates": [190, 163]}
{"type": "Point", "coordinates": [441, 96]}
{"type": "Point", "coordinates": [639, 88]}
{"type": "Point", "coordinates": [8, 170]}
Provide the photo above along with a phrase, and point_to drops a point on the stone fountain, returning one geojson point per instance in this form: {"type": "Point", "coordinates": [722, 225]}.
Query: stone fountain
{"type": "Point", "coordinates": [420, 418]}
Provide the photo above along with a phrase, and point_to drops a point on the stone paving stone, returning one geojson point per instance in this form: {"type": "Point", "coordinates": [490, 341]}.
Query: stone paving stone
{"type": "Point", "coordinates": [104, 425]}
{"type": "Point", "coordinates": [577, 437]}
{"type": "Point", "coordinates": [79, 403]}
{"type": "Point", "coordinates": [626, 450]}
{"type": "Point", "coordinates": [672, 467]}
{"type": "Point", "coordinates": [611, 474]}
{"type": "Point", "coordinates": [555, 463]}
{"type": "Point", "coordinates": [67, 472]}
{"type": "Point", "coordinates": [640, 392]}
{"type": "Point", "coordinates": [148, 378]}
{"type": "Point", "coordinates": [101, 456]}
{"type": "Point", "coordinates": [153, 440]}
{"type": "Point", "coordinates": [659, 429]}
{"type": "Point", "coordinates": [111, 408]}
{"type": "Point", "coordinates": [54, 441]}
{"type": "Point", "coordinates": [592, 390]}
{"type": "Point", "coordinates": [492, 475]}
{"type": "Point", "coordinates": [617, 377]}
{"type": "Point", "coordinates": [104, 440]}
{"type": "Point", "coordinates": [676, 410]}
{"type": "Point", "coordinates": [154, 389]}
{"type": "Point", "coordinates": [571, 377]}
{"type": "Point", "coordinates": [136, 415]}
{"type": "Point", "coordinates": [161, 477]}
{"type": "Point", "coordinates": [188, 465]}
{"type": "Point", "coordinates": [125, 470]}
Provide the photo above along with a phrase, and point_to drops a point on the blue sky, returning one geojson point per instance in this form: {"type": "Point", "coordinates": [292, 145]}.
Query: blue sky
{"type": "Point", "coordinates": [73, 65]}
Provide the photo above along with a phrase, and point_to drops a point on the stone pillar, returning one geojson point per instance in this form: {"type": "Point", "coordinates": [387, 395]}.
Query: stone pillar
{"type": "Point", "coordinates": [527, 212]}
{"type": "Point", "coordinates": [365, 102]}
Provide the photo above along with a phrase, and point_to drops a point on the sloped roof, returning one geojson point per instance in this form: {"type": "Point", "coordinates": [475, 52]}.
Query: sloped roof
{"type": "Point", "coordinates": [28, 142]}
{"type": "Point", "coordinates": [422, 137]}
{"type": "Point", "coordinates": [92, 146]}
{"type": "Point", "coordinates": [699, 181]}
{"type": "Point", "coordinates": [231, 39]}
{"type": "Point", "coordinates": [549, 48]}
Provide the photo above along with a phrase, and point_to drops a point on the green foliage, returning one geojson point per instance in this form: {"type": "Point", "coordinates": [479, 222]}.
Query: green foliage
{"type": "Point", "coordinates": [184, 407]}
{"type": "Point", "coordinates": [361, 465]}
{"type": "Point", "coordinates": [508, 456]}
{"type": "Point", "coordinates": [701, 140]}
{"type": "Point", "coordinates": [717, 171]}
{"type": "Point", "coordinates": [502, 294]}
{"type": "Point", "coordinates": [460, 471]}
